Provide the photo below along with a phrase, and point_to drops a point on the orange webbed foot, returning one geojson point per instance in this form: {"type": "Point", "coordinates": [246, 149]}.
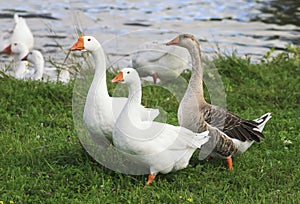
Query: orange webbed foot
{"type": "Point", "coordinates": [151, 177]}
{"type": "Point", "coordinates": [229, 163]}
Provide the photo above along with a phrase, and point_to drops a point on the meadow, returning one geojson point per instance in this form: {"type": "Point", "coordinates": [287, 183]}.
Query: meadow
{"type": "Point", "coordinates": [43, 161]}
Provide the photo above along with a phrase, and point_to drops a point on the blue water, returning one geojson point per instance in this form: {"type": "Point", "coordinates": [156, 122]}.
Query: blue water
{"type": "Point", "coordinates": [248, 27]}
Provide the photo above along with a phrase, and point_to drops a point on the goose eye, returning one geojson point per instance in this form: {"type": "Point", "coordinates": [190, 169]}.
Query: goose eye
{"type": "Point", "coordinates": [89, 39]}
{"type": "Point", "coordinates": [128, 72]}
{"type": "Point", "coordinates": [15, 44]}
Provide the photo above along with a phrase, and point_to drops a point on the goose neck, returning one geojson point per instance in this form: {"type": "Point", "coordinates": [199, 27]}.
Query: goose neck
{"type": "Point", "coordinates": [135, 93]}
{"type": "Point", "coordinates": [131, 111]}
{"type": "Point", "coordinates": [100, 71]}
{"type": "Point", "coordinates": [196, 60]}
{"type": "Point", "coordinates": [196, 80]}
{"type": "Point", "coordinates": [99, 58]}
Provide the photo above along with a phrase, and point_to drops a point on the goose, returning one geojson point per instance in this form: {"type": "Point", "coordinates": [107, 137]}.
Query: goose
{"type": "Point", "coordinates": [162, 147]}
{"type": "Point", "coordinates": [64, 76]}
{"type": "Point", "coordinates": [240, 133]}
{"type": "Point", "coordinates": [101, 110]}
{"type": "Point", "coordinates": [19, 68]}
{"type": "Point", "coordinates": [159, 63]}
{"type": "Point", "coordinates": [21, 32]}
{"type": "Point", "coordinates": [36, 58]}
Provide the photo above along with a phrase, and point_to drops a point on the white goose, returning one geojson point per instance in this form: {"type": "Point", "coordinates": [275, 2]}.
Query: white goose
{"type": "Point", "coordinates": [19, 68]}
{"type": "Point", "coordinates": [159, 62]}
{"type": "Point", "coordinates": [101, 110]}
{"type": "Point", "coordinates": [22, 33]}
{"type": "Point", "coordinates": [240, 133]}
{"type": "Point", "coordinates": [36, 58]}
{"type": "Point", "coordinates": [162, 147]}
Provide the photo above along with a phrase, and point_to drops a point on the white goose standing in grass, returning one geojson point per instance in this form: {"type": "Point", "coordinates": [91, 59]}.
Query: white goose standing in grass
{"type": "Point", "coordinates": [160, 63]}
{"type": "Point", "coordinates": [36, 58]}
{"type": "Point", "coordinates": [23, 36]}
{"type": "Point", "coordinates": [162, 147]}
{"type": "Point", "coordinates": [240, 133]}
{"type": "Point", "coordinates": [102, 110]}
{"type": "Point", "coordinates": [19, 69]}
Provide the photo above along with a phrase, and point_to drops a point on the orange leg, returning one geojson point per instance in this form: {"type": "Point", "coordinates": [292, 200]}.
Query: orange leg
{"type": "Point", "coordinates": [229, 163]}
{"type": "Point", "coordinates": [155, 76]}
{"type": "Point", "coordinates": [209, 158]}
{"type": "Point", "coordinates": [151, 177]}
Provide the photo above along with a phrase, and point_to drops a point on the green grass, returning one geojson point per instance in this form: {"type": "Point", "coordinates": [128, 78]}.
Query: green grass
{"type": "Point", "coordinates": [42, 160]}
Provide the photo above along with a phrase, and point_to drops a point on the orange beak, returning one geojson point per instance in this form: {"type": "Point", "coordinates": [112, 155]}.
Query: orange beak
{"type": "Point", "coordinates": [118, 78]}
{"type": "Point", "coordinates": [7, 50]}
{"type": "Point", "coordinates": [79, 45]}
{"type": "Point", "coordinates": [175, 41]}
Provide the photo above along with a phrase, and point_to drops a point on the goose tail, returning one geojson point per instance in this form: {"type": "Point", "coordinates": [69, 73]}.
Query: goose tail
{"type": "Point", "coordinates": [262, 121]}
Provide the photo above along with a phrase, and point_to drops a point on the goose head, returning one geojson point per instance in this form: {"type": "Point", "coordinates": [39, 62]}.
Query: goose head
{"type": "Point", "coordinates": [127, 76]}
{"type": "Point", "coordinates": [7, 50]}
{"type": "Point", "coordinates": [86, 43]}
{"type": "Point", "coordinates": [17, 48]}
{"type": "Point", "coordinates": [184, 40]}
{"type": "Point", "coordinates": [35, 57]}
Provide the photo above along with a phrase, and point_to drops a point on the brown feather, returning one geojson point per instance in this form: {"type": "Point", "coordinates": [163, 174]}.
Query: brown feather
{"type": "Point", "coordinates": [225, 147]}
{"type": "Point", "coordinates": [231, 124]}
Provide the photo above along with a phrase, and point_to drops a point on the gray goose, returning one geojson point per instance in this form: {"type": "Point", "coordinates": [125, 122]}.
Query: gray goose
{"type": "Point", "coordinates": [237, 134]}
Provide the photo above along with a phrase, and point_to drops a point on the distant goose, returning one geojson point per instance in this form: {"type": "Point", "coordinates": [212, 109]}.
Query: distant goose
{"type": "Point", "coordinates": [22, 33]}
{"type": "Point", "coordinates": [240, 133]}
{"type": "Point", "coordinates": [160, 63]}
{"type": "Point", "coordinates": [36, 58]}
{"type": "Point", "coordinates": [23, 36]}
{"type": "Point", "coordinates": [19, 68]}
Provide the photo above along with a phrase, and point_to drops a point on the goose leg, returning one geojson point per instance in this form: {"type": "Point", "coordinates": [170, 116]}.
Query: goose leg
{"type": "Point", "coordinates": [209, 158]}
{"type": "Point", "coordinates": [229, 163]}
{"type": "Point", "coordinates": [154, 76]}
{"type": "Point", "coordinates": [151, 177]}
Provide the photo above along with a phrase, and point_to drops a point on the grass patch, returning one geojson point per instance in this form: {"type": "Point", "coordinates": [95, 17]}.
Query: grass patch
{"type": "Point", "coordinates": [42, 160]}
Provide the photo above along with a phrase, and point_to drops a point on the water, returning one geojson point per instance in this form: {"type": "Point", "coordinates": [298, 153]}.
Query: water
{"type": "Point", "coordinates": [248, 27]}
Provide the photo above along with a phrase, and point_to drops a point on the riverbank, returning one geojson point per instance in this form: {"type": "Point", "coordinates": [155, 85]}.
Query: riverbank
{"type": "Point", "coordinates": [42, 160]}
